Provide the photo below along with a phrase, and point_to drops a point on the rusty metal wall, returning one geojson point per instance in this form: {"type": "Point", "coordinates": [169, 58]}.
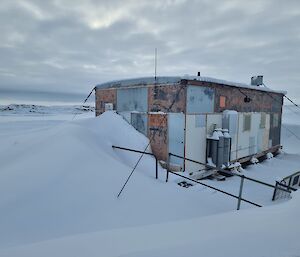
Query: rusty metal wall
{"type": "Point", "coordinates": [200, 100]}
{"type": "Point", "coordinates": [132, 99]}
{"type": "Point", "coordinates": [234, 100]}
{"type": "Point", "coordinates": [158, 132]}
{"type": "Point", "coordinates": [103, 96]}
{"type": "Point", "coordinates": [161, 97]}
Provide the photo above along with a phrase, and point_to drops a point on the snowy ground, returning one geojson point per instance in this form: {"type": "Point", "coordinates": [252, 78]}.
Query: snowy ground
{"type": "Point", "coordinates": [59, 180]}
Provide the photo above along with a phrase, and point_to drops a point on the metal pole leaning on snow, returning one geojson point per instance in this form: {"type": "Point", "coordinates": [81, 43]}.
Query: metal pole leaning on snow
{"type": "Point", "coordinates": [240, 193]}
{"type": "Point", "coordinates": [133, 170]}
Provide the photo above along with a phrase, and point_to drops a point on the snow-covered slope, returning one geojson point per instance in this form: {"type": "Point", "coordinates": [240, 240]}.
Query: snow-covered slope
{"type": "Point", "coordinates": [58, 188]}
{"type": "Point", "coordinates": [64, 180]}
{"type": "Point", "coordinates": [270, 231]}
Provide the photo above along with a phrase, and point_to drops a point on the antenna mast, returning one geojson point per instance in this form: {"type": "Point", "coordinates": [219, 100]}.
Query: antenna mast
{"type": "Point", "coordinates": [155, 64]}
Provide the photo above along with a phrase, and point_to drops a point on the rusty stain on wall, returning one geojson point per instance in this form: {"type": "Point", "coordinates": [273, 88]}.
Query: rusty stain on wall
{"type": "Point", "coordinates": [105, 96]}
{"type": "Point", "coordinates": [158, 133]}
{"type": "Point", "coordinates": [160, 98]}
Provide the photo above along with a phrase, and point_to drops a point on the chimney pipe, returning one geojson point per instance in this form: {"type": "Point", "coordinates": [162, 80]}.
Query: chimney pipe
{"type": "Point", "coordinates": [198, 74]}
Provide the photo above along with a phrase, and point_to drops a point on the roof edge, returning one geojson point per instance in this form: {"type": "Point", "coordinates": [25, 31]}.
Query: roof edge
{"type": "Point", "coordinates": [177, 79]}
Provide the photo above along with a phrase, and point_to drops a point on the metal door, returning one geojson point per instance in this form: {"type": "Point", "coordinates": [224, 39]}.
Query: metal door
{"type": "Point", "coordinates": [176, 137]}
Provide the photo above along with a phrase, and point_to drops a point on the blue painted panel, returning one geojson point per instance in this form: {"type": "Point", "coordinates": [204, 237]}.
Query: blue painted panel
{"type": "Point", "coordinates": [176, 137]}
{"type": "Point", "coordinates": [200, 99]}
{"type": "Point", "coordinates": [140, 122]}
{"type": "Point", "coordinates": [132, 99]}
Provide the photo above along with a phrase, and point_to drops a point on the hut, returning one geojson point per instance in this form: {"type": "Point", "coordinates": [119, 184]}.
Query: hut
{"type": "Point", "coordinates": [200, 118]}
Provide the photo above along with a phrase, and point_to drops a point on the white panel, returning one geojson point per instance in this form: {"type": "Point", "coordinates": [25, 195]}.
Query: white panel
{"type": "Point", "coordinates": [266, 133]}
{"type": "Point", "coordinates": [195, 146]}
{"type": "Point", "coordinates": [230, 122]}
{"type": "Point", "coordinates": [213, 121]}
{"type": "Point", "coordinates": [255, 127]}
{"type": "Point", "coordinates": [243, 138]}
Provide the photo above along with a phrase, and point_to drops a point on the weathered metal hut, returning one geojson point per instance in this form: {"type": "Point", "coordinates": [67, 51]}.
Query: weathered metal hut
{"type": "Point", "coordinates": [204, 119]}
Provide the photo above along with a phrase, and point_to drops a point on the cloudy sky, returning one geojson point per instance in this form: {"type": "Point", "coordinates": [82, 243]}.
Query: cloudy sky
{"type": "Point", "coordinates": [69, 46]}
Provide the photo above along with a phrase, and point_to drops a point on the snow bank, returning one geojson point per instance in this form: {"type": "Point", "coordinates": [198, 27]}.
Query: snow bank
{"type": "Point", "coordinates": [64, 180]}
{"type": "Point", "coordinates": [58, 188]}
{"type": "Point", "coordinates": [270, 231]}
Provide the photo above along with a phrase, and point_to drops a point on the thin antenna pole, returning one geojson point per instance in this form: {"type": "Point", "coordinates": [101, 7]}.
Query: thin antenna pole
{"type": "Point", "coordinates": [155, 64]}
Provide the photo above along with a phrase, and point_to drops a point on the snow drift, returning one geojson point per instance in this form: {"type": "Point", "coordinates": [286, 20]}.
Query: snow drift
{"type": "Point", "coordinates": [64, 180]}
{"type": "Point", "coordinates": [58, 188]}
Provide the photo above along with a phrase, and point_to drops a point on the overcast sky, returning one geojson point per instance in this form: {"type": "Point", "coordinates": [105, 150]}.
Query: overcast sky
{"type": "Point", "coordinates": [69, 46]}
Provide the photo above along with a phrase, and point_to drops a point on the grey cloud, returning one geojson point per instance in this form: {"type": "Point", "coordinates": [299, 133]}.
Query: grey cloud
{"type": "Point", "coordinates": [70, 45]}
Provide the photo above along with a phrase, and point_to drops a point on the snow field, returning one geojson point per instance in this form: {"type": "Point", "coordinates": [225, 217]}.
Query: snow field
{"type": "Point", "coordinates": [59, 181]}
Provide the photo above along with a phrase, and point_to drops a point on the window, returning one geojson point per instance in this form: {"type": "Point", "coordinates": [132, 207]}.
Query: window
{"type": "Point", "coordinates": [263, 118]}
{"type": "Point", "coordinates": [222, 101]}
{"type": "Point", "coordinates": [247, 122]}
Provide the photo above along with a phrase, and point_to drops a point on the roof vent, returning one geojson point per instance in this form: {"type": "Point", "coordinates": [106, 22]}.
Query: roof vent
{"type": "Point", "coordinates": [198, 74]}
{"type": "Point", "coordinates": [257, 80]}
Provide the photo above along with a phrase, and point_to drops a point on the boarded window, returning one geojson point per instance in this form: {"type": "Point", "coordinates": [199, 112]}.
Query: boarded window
{"type": "Point", "coordinates": [275, 122]}
{"type": "Point", "coordinates": [247, 122]}
{"type": "Point", "coordinates": [263, 118]}
{"type": "Point", "coordinates": [222, 101]}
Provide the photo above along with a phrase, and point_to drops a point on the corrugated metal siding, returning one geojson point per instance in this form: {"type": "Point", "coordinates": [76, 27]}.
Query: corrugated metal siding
{"type": "Point", "coordinates": [200, 99]}
{"type": "Point", "coordinates": [132, 99]}
{"type": "Point", "coordinates": [176, 124]}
